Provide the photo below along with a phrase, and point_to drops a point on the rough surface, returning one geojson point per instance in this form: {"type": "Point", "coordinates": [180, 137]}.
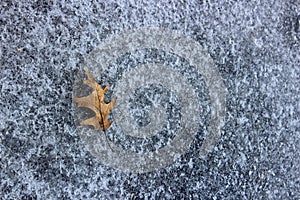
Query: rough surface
{"type": "Point", "coordinates": [255, 46]}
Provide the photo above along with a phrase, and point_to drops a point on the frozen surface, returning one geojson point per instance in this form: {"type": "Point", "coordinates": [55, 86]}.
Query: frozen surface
{"type": "Point", "coordinates": [255, 48]}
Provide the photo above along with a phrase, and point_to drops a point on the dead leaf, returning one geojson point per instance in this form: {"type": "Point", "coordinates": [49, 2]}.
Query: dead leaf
{"type": "Point", "coordinates": [95, 102]}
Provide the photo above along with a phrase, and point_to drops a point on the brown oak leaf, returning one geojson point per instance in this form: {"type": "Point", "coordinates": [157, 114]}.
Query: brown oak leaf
{"type": "Point", "coordinates": [95, 102]}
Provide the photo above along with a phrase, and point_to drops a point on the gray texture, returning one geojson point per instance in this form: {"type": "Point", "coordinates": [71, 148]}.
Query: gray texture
{"type": "Point", "coordinates": [255, 47]}
{"type": "Point", "coordinates": [151, 74]}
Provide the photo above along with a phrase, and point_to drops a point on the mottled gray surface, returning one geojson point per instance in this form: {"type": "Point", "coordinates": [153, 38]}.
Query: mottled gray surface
{"type": "Point", "coordinates": [255, 47]}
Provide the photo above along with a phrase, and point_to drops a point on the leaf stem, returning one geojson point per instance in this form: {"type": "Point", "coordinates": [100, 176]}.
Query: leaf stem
{"type": "Point", "coordinates": [103, 127]}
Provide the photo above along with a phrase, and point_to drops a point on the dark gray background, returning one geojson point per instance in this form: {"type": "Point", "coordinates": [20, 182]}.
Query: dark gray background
{"type": "Point", "coordinates": [255, 46]}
